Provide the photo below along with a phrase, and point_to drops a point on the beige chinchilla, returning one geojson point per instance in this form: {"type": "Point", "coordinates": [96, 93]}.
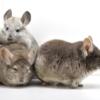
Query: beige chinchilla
{"type": "Point", "coordinates": [15, 65]}
{"type": "Point", "coordinates": [67, 63]}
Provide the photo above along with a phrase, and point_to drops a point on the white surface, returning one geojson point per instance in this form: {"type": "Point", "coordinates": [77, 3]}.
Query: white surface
{"type": "Point", "coordinates": [90, 91]}
{"type": "Point", "coordinates": [71, 20]}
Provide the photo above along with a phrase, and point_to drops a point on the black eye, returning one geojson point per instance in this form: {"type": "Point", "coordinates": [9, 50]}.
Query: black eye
{"type": "Point", "coordinates": [17, 30]}
{"type": "Point", "coordinates": [7, 28]}
{"type": "Point", "coordinates": [15, 69]}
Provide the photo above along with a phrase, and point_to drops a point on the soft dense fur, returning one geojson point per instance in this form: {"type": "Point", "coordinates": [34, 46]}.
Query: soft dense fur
{"type": "Point", "coordinates": [15, 65]}
{"type": "Point", "coordinates": [19, 51]}
{"type": "Point", "coordinates": [67, 63]}
{"type": "Point", "coordinates": [15, 30]}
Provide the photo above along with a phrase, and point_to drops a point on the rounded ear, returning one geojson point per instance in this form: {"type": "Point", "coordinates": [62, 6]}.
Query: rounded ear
{"type": "Point", "coordinates": [87, 46]}
{"type": "Point", "coordinates": [6, 56]}
{"type": "Point", "coordinates": [26, 18]}
{"type": "Point", "coordinates": [8, 14]}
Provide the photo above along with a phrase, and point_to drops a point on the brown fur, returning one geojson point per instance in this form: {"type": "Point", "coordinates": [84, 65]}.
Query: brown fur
{"type": "Point", "coordinates": [19, 70]}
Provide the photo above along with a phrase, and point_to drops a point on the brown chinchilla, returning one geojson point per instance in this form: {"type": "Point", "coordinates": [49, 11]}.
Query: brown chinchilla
{"type": "Point", "coordinates": [15, 65]}
{"type": "Point", "coordinates": [67, 63]}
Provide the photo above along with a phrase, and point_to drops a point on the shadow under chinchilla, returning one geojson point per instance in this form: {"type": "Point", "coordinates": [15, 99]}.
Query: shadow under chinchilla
{"type": "Point", "coordinates": [38, 83]}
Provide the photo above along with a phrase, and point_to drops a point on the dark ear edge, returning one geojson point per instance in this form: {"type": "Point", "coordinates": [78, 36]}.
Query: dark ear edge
{"type": "Point", "coordinates": [26, 18]}
{"type": "Point", "coordinates": [8, 14]}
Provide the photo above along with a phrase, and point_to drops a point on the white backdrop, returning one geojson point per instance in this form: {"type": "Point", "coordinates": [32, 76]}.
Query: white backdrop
{"type": "Point", "coordinates": [71, 20]}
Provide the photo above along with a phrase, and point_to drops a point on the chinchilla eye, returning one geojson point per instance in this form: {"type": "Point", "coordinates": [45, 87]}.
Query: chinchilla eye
{"type": "Point", "coordinates": [17, 30]}
{"type": "Point", "coordinates": [15, 68]}
{"type": "Point", "coordinates": [7, 28]}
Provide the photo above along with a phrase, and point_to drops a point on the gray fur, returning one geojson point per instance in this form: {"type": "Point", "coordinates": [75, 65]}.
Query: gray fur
{"type": "Point", "coordinates": [26, 18]}
{"type": "Point", "coordinates": [8, 14]}
{"type": "Point", "coordinates": [67, 63]}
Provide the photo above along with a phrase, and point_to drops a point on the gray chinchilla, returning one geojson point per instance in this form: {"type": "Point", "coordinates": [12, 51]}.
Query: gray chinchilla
{"type": "Point", "coordinates": [67, 63]}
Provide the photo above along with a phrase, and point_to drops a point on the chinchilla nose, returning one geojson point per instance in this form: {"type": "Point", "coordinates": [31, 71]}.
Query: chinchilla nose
{"type": "Point", "coordinates": [10, 38]}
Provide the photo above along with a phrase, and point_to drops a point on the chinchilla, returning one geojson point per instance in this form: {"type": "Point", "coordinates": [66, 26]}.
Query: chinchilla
{"type": "Point", "coordinates": [15, 65]}
{"type": "Point", "coordinates": [15, 31]}
{"type": "Point", "coordinates": [67, 63]}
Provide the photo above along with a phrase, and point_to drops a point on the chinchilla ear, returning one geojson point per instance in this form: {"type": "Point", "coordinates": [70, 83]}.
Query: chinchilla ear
{"type": "Point", "coordinates": [6, 56]}
{"type": "Point", "coordinates": [26, 18]}
{"type": "Point", "coordinates": [87, 46]}
{"type": "Point", "coordinates": [8, 14]}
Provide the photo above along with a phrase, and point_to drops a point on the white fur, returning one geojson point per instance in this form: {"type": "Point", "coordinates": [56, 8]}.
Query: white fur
{"type": "Point", "coordinates": [13, 24]}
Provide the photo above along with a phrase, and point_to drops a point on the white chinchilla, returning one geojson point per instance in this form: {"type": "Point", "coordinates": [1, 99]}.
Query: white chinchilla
{"type": "Point", "coordinates": [15, 30]}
